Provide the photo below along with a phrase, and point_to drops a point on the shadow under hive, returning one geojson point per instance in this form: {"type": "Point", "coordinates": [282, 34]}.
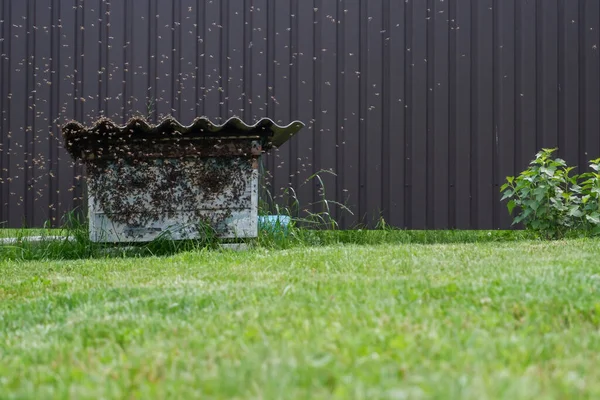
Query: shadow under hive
{"type": "Point", "coordinates": [146, 181]}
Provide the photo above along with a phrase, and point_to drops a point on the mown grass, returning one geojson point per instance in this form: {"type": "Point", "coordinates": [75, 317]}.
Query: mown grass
{"type": "Point", "coordinates": [494, 318]}
{"type": "Point", "coordinates": [73, 241]}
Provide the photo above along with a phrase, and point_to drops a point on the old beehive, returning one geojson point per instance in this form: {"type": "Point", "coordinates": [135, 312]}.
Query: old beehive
{"type": "Point", "coordinates": [148, 180]}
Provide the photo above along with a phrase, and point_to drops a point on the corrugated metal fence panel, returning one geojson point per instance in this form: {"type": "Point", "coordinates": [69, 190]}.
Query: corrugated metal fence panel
{"type": "Point", "coordinates": [421, 107]}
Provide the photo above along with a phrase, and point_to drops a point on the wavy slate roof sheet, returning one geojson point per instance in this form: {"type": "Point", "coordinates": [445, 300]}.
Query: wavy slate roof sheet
{"type": "Point", "coordinates": [104, 132]}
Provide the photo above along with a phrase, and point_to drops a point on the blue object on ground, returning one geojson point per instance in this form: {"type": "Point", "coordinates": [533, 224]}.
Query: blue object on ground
{"type": "Point", "coordinates": [274, 223]}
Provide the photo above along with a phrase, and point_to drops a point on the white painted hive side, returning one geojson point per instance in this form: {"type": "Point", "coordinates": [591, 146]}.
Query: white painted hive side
{"type": "Point", "coordinates": [241, 223]}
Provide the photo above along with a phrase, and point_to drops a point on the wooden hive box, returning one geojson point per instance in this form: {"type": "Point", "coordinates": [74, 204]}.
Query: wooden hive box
{"type": "Point", "coordinates": [168, 180]}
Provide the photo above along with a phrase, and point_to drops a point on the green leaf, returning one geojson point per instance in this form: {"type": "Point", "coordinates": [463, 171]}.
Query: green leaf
{"type": "Point", "coordinates": [539, 193]}
{"type": "Point", "coordinates": [542, 210]}
{"type": "Point", "coordinates": [507, 194]}
{"type": "Point", "coordinates": [594, 218]}
{"type": "Point", "coordinates": [576, 212]}
{"type": "Point", "coordinates": [511, 206]}
{"type": "Point", "coordinates": [547, 171]}
{"type": "Point", "coordinates": [504, 187]}
{"type": "Point", "coordinates": [518, 219]}
{"type": "Point", "coordinates": [532, 204]}
{"type": "Point", "coordinates": [510, 179]}
{"type": "Point", "coordinates": [560, 162]}
{"type": "Point", "coordinates": [585, 199]}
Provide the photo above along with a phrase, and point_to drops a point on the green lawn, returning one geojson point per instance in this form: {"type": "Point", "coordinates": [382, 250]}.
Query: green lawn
{"type": "Point", "coordinates": [508, 320]}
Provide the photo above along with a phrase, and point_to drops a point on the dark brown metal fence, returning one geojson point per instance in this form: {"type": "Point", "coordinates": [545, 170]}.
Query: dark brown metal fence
{"type": "Point", "coordinates": [421, 107]}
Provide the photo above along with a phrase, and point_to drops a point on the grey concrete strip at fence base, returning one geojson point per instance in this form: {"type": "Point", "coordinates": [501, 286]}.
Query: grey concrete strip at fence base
{"type": "Point", "coordinates": [421, 107]}
{"type": "Point", "coordinates": [235, 246]}
{"type": "Point", "coordinates": [34, 239]}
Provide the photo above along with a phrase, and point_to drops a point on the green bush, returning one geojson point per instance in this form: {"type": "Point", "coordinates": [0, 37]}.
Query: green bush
{"type": "Point", "coordinates": [551, 201]}
{"type": "Point", "coordinates": [590, 196]}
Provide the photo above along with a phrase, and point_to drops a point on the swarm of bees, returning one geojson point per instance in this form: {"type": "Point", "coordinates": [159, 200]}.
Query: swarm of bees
{"type": "Point", "coordinates": [142, 59]}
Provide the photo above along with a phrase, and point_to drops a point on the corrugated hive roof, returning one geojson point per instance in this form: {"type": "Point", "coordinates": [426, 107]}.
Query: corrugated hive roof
{"type": "Point", "coordinates": [79, 138]}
